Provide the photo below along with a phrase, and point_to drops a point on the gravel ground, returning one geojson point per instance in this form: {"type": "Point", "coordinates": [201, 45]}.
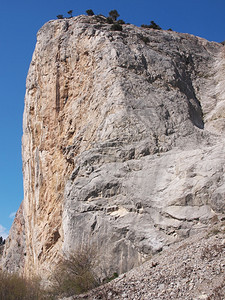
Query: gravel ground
{"type": "Point", "coordinates": [191, 269]}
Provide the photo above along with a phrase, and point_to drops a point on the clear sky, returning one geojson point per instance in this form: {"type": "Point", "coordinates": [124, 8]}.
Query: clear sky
{"type": "Point", "coordinates": [19, 22]}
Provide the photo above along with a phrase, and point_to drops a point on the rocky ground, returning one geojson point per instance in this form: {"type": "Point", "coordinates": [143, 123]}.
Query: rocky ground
{"type": "Point", "coordinates": [191, 269]}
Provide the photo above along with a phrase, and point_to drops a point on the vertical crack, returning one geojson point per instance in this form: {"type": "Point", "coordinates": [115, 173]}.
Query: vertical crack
{"type": "Point", "coordinates": [57, 92]}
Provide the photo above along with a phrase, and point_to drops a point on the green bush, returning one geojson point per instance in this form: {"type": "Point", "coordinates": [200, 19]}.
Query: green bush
{"type": "Point", "coordinates": [116, 27]}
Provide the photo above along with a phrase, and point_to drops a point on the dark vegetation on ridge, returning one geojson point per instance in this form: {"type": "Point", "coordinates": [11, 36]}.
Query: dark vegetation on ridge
{"type": "Point", "coordinates": [116, 24]}
{"type": "Point", "coordinates": [2, 241]}
{"type": "Point", "coordinates": [112, 19]}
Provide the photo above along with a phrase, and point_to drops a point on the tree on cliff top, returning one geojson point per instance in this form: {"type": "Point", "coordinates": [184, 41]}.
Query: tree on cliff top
{"type": "Point", "coordinates": [70, 13]}
{"type": "Point", "coordinates": [114, 14]}
{"type": "Point", "coordinates": [90, 12]}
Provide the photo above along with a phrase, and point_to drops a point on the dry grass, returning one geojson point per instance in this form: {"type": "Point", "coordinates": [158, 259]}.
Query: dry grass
{"type": "Point", "coordinates": [15, 287]}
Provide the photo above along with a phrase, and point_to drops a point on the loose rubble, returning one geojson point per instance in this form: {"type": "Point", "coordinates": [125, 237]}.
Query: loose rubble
{"type": "Point", "coordinates": [193, 269]}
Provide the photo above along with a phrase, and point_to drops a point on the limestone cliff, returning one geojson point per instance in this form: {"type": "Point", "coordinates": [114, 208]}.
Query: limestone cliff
{"type": "Point", "coordinates": [123, 143]}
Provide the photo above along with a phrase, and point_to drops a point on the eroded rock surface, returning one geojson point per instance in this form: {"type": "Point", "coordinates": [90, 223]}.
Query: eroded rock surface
{"type": "Point", "coordinates": [123, 143]}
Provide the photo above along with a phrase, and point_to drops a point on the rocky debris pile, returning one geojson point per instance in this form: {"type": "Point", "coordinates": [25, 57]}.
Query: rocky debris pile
{"type": "Point", "coordinates": [193, 269]}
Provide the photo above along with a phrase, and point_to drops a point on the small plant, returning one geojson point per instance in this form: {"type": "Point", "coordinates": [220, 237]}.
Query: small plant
{"type": "Point", "coordinates": [116, 27]}
{"type": "Point", "coordinates": [70, 12]}
{"type": "Point", "coordinates": [60, 17]}
{"type": "Point", "coordinates": [114, 14]}
{"type": "Point", "coordinates": [108, 279]}
{"type": "Point", "coordinates": [90, 12]}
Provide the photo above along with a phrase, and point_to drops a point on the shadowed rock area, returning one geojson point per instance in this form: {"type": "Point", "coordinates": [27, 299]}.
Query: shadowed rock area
{"type": "Point", "coordinates": [123, 144]}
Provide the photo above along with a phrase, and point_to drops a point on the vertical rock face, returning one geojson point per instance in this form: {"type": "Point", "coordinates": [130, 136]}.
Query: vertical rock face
{"type": "Point", "coordinates": [123, 143]}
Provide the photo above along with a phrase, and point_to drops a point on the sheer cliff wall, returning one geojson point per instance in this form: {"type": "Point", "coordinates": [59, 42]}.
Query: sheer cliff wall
{"type": "Point", "coordinates": [123, 144]}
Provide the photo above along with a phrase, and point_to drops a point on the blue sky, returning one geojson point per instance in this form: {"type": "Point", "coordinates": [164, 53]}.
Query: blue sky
{"type": "Point", "coordinates": [19, 23]}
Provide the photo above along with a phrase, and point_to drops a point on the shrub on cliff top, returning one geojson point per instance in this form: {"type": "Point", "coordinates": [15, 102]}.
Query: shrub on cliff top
{"type": "Point", "coordinates": [153, 25]}
{"type": "Point", "coordinates": [116, 27]}
{"type": "Point", "coordinates": [90, 12]}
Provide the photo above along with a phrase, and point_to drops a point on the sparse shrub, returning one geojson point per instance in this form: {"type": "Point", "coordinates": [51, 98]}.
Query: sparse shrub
{"type": "Point", "coordinates": [75, 274]}
{"type": "Point", "coordinates": [89, 12]}
{"type": "Point", "coordinates": [60, 17]}
{"type": "Point", "coordinates": [114, 14]}
{"type": "Point", "coordinates": [116, 27]}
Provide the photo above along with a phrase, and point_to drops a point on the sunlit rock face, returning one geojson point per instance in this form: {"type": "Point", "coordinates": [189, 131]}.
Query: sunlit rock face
{"type": "Point", "coordinates": [123, 144]}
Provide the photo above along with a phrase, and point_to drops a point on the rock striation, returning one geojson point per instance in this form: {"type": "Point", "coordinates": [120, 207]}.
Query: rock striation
{"type": "Point", "coordinates": [123, 144]}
